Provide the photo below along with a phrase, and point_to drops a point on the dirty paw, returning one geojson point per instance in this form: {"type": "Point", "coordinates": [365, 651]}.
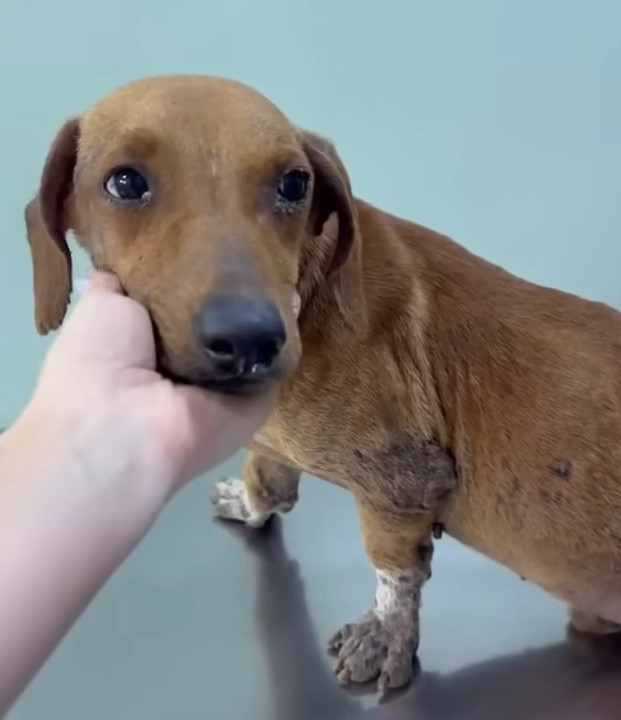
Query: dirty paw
{"type": "Point", "coordinates": [231, 503]}
{"type": "Point", "coordinates": [336, 642]}
{"type": "Point", "coordinates": [375, 649]}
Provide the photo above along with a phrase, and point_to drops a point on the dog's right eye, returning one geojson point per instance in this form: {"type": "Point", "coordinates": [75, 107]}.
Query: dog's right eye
{"type": "Point", "coordinates": [128, 185]}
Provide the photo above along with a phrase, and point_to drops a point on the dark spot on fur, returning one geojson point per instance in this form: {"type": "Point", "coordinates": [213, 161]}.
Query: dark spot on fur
{"type": "Point", "coordinates": [514, 488]}
{"type": "Point", "coordinates": [358, 454]}
{"type": "Point", "coordinates": [424, 553]}
{"type": "Point", "coordinates": [437, 530]}
{"type": "Point", "coordinates": [545, 495]}
{"type": "Point", "coordinates": [561, 468]}
{"type": "Point", "coordinates": [410, 476]}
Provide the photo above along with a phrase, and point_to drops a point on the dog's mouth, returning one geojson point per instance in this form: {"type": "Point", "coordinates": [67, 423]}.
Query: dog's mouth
{"type": "Point", "coordinates": [241, 385]}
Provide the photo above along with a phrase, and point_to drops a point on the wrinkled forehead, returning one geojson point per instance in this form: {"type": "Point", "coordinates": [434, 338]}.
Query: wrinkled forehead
{"type": "Point", "coordinates": [195, 117]}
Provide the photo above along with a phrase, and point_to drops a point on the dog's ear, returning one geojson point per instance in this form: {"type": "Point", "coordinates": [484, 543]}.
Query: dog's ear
{"type": "Point", "coordinates": [333, 200]}
{"type": "Point", "coordinates": [332, 194]}
{"type": "Point", "coordinates": [47, 223]}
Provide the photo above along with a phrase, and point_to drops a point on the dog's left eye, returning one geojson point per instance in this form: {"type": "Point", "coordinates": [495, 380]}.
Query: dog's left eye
{"type": "Point", "coordinates": [293, 186]}
{"type": "Point", "coordinates": [127, 184]}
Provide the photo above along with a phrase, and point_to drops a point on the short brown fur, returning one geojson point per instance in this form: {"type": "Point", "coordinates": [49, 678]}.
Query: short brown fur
{"type": "Point", "coordinates": [441, 390]}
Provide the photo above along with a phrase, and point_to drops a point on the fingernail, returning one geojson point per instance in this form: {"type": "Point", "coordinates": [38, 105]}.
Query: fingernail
{"type": "Point", "coordinates": [296, 304]}
{"type": "Point", "coordinates": [80, 286]}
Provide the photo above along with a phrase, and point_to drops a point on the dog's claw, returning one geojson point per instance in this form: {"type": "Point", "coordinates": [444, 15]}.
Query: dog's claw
{"type": "Point", "coordinates": [336, 642]}
{"type": "Point", "coordinates": [383, 682]}
{"type": "Point", "coordinates": [343, 677]}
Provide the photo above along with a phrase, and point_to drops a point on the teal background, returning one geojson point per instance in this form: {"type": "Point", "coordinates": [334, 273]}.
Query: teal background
{"type": "Point", "coordinates": [496, 121]}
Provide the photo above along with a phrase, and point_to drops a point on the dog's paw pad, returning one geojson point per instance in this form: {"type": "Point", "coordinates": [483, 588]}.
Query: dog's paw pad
{"type": "Point", "coordinates": [231, 503]}
{"type": "Point", "coordinates": [375, 650]}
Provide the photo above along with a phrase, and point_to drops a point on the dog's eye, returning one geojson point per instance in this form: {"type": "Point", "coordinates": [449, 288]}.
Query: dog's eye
{"type": "Point", "coordinates": [127, 184]}
{"type": "Point", "coordinates": [293, 186]}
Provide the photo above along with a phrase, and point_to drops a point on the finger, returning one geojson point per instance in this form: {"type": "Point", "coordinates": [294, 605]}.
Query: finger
{"type": "Point", "coordinates": [103, 281]}
{"type": "Point", "coordinates": [296, 303]}
{"type": "Point", "coordinates": [244, 415]}
{"type": "Point", "coordinates": [220, 425]}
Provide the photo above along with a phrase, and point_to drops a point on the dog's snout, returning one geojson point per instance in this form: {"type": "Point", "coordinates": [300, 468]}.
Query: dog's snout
{"type": "Point", "coordinates": [240, 336]}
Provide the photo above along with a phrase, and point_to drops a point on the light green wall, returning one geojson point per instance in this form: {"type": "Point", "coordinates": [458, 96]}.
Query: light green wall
{"type": "Point", "coordinates": [497, 121]}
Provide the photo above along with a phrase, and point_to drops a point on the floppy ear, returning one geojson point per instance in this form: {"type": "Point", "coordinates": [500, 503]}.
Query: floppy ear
{"type": "Point", "coordinates": [332, 194]}
{"type": "Point", "coordinates": [333, 199]}
{"type": "Point", "coordinates": [46, 225]}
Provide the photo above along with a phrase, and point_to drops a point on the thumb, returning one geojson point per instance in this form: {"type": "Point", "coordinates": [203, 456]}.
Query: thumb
{"type": "Point", "coordinates": [220, 426]}
{"type": "Point", "coordinates": [99, 281]}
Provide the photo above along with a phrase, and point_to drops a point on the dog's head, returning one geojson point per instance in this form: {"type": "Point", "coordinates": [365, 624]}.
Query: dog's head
{"type": "Point", "coordinates": [205, 201]}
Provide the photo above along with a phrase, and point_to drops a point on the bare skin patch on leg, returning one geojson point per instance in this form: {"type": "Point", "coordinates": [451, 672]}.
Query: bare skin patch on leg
{"type": "Point", "coordinates": [268, 487]}
{"type": "Point", "coordinates": [231, 502]}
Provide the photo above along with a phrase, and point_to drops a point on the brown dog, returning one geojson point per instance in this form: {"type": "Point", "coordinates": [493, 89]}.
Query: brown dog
{"type": "Point", "coordinates": [442, 391]}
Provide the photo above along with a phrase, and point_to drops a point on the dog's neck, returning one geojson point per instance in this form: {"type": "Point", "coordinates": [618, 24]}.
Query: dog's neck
{"type": "Point", "coordinates": [375, 304]}
{"type": "Point", "coordinates": [381, 279]}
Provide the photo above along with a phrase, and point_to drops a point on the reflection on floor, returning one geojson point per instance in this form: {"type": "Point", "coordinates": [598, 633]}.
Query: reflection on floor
{"type": "Point", "coordinates": [212, 621]}
{"type": "Point", "coordinates": [577, 679]}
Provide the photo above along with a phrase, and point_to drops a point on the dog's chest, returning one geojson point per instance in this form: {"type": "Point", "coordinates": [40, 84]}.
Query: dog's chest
{"type": "Point", "coordinates": [315, 455]}
{"type": "Point", "coordinates": [406, 472]}
{"type": "Point", "coordinates": [308, 435]}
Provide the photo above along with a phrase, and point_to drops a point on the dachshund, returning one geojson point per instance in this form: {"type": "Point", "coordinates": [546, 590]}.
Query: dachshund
{"type": "Point", "coordinates": [445, 393]}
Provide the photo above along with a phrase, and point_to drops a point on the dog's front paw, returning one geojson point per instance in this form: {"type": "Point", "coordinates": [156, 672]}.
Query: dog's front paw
{"type": "Point", "coordinates": [376, 648]}
{"type": "Point", "coordinates": [231, 502]}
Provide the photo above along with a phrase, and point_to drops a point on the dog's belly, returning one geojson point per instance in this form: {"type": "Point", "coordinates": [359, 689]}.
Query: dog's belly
{"type": "Point", "coordinates": [573, 558]}
{"type": "Point", "coordinates": [580, 585]}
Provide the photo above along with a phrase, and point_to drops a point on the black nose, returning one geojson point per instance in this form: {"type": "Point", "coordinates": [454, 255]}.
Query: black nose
{"type": "Point", "coordinates": [241, 337]}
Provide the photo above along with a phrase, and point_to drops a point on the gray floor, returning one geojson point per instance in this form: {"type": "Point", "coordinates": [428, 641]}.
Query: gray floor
{"type": "Point", "coordinates": [209, 622]}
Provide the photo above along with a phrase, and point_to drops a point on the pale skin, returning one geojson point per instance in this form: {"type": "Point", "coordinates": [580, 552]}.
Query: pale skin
{"type": "Point", "coordinates": [86, 469]}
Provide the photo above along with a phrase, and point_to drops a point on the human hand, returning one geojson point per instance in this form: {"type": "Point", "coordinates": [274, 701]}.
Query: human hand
{"type": "Point", "coordinates": [127, 429]}
{"type": "Point", "coordinates": [87, 467]}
